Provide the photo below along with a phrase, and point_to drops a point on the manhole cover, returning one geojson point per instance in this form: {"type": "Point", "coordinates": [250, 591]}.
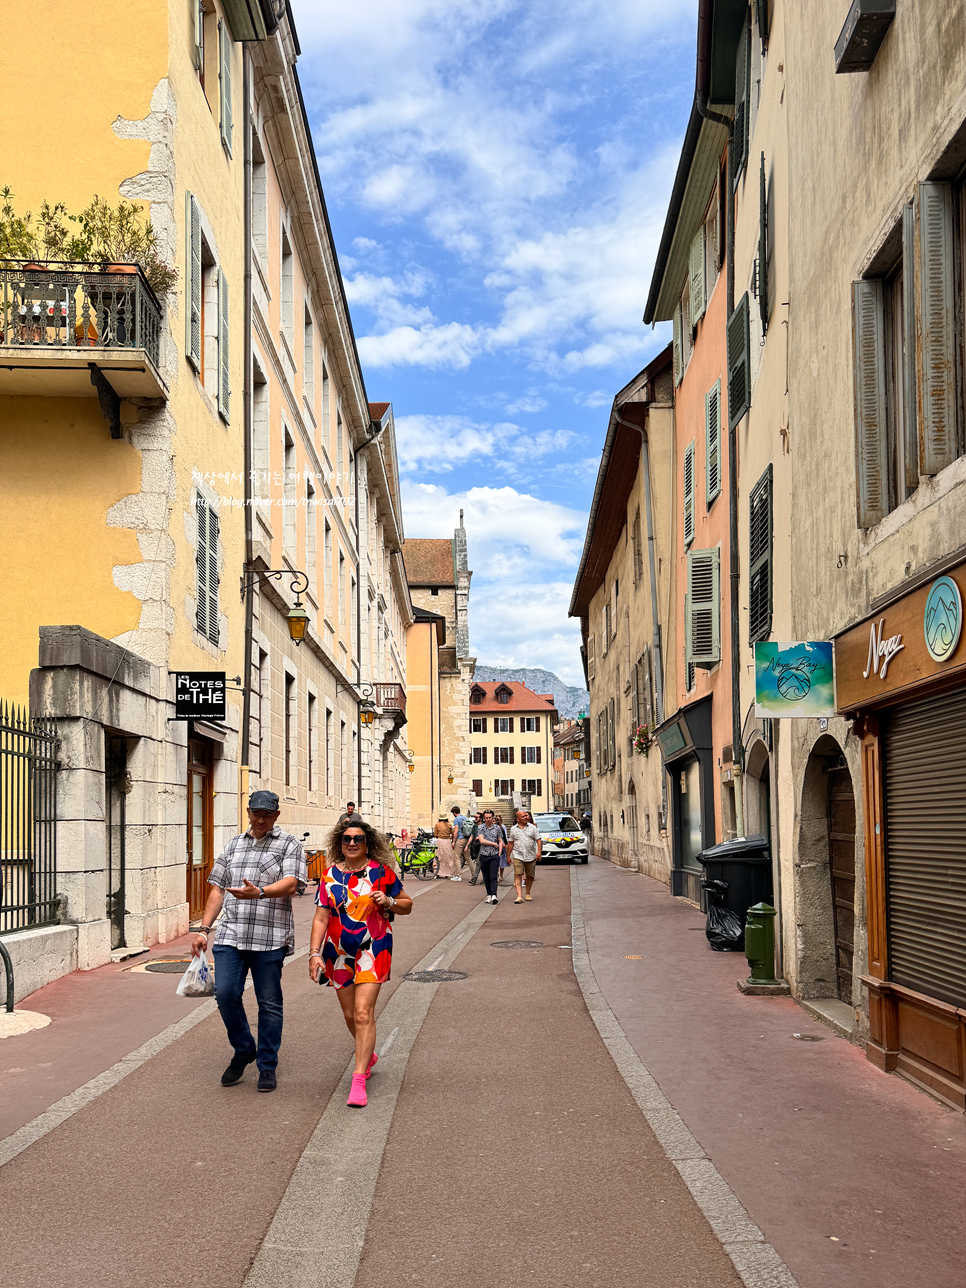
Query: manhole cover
{"type": "Point", "coordinates": [435, 976]}
{"type": "Point", "coordinates": [807, 1037]}
{"type": "Point", "coordinates": [517, 943]}
{"type": "Point", "coordinates": [168, 966]}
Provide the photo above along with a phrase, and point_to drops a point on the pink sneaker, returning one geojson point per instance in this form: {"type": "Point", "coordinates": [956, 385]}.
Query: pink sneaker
{"type": "Point", "coordinates": [357, 1096]}
{"type": "Point", "coordinates": [373, 1061]}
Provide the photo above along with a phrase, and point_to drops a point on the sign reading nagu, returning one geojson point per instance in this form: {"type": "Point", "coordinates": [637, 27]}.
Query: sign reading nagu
{"type": "Point", "coordinates": [199, 695]}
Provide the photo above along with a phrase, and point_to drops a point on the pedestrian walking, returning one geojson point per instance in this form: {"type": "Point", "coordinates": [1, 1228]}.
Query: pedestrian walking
{"type": "Point", "coordinates": [252, 882]}
{"type": "Point", "coordinates": [492, 845]}
{"type": "Point", "coordinates": [474, 848]}
{"type": "Point", "coordinates": [350, 810]}
{"type": "Point", "coordinates": [526, 851]}
{"type": "Point", "coordinates": [459, 840]}
{"type": "Point", "coordinates": [351, 944]}
{"type": "Point", "coordinates": [448, 865]}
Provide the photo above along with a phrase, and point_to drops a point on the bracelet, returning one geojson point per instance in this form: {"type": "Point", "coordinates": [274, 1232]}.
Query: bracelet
{"type": "Point", "coordinates": [311, 955]}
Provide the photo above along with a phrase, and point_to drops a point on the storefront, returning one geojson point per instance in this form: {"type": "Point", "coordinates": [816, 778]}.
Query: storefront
{"type": "Point", "coordinates": [685, 742]}
{"type": "Point", "coordinates": [902, 675]}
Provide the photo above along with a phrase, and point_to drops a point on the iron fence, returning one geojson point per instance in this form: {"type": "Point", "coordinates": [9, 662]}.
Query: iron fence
{"type": "Point", "coordinates": [68, 306]}
{"type": "Point", "coordinates": [28, 798]}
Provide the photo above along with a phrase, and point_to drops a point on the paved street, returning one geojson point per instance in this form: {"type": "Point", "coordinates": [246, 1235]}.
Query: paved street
{"type": "Point", "coordinates": [605, 1109]}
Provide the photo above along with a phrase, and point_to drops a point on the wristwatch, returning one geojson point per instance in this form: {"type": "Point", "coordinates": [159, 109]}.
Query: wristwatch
{"type": "Point", "coordinates": [261, 892]}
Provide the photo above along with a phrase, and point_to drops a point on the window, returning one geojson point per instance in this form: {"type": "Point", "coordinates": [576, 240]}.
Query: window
{"type": "Point", "coordinates": [503, 697]}
{"type": "Point", "coordinates": [312, 737]}
{"type": "Point", "coordinates": [477, 724]}
{"type": "Point", "coordinates": [741, 132]}
{"type": "Point", "coordinates": [530, 755]}
{"type": "Point", "coordinates": [611, 736]}
{"type": "Point", "coordinates": [702, 625]}
{"type": "Point", "coordinates": [193, 285]}
{"type": "Point", "coordinates": [264, 709]}
{"type": "Point", "coordinates": [503, 755]}
{"type": "Point", "coordinates": [311, 540]}
{"type": "Point", "coordinates": [198, 16]}
{"type": "Point", "coordinates": [224, 86]}
{"type": "Point", "coordinates": [739, 362]}
{"type": "Point", "coordinates": [206, 564]}
{"type": "Point", "coordinates": [682, 333]}
{"type": "Point", "coordinates": [712, 426]}
{"type": "Point", "coordinates": [328, 752]}
{"type": "Point", "coordinates": [287, 309]}
{"type": "Point", "coordinates": [591, 656]}
{"type": "Point", "coordinates": [478, 756]}
{"type": "Point", "coordinates": [696, 276]}
{"type": "Point", "coordinates": [477, 786]}
{"type": "Point", "coordinates": [503, 724]}
{"type": "Point", "coordinates": [341, 588]}
{"type": "Point", "coordinates": [476, 696]}
{"type": "Point", "coordinates": [638, 550]}
{"type": "Point", "coordinates": [434, 590]}
{"type": "Point", "coordinates": [343, 760]}
{"type": "Point", "coordinates": [504, 786]}
{"type": "Point", "coordinates": [339, 451]}
{"type": "Point", "coordinates": [308, 359]}
{"type": "Point", "coordinates": [326, 425]}
{"type": "Point", "coordinates": [598, 757]}
{"type": "Point", "coordinates": [289, 510]}
{"type": "Point", "coordinates": [259, 200]}
{"type": "Point", "coordinates": [534, 786]}
{"type": "Point", "coordinates": [290, 717]}
{"type": "Point", "coordinates": [529, 724]}
{"type": "Point", "coordinates": [327, 567]}
{"type": "Point", "coordinates": [762, 269]}
{"type": "Point", "coordinates": [689, 494]}
{"type": "Point", "coordinates": [759, 559]}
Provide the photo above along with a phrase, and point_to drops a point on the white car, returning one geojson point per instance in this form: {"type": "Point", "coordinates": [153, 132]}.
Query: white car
{"type": "Point", "coordinates": [562, 837]}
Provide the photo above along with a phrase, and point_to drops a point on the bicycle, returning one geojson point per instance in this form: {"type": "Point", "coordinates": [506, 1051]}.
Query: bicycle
{"type": "Point", "coordinates": [420, 859]}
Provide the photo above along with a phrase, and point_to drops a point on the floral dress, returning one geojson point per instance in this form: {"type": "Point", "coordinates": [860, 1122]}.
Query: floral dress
{"type": "Point", "coordinates": [358, 938]}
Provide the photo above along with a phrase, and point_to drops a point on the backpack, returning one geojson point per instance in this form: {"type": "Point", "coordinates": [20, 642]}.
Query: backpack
{"type": "Point", "coordinates": [467, 829]}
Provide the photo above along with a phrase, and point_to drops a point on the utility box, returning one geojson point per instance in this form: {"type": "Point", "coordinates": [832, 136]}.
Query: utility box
{"type": "Point", "coordinates": [760, 943]}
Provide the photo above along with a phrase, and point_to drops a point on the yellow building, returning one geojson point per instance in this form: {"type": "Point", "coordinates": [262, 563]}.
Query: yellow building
{"type": "Point", "coordinates": [511, 743]}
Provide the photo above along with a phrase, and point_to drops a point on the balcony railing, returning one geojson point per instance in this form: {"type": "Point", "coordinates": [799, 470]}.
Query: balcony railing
{"type": "Point", "coordinates": [78, 306]}
{"type": "Point", "coordinates": [390, 697]}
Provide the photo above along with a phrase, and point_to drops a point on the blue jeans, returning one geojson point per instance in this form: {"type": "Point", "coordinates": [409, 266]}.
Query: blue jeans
{"type": "Point", "coordinates": [231, 969]}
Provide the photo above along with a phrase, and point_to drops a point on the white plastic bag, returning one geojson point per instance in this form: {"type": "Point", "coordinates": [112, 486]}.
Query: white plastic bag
{"type": "Point", "coordinates": [198, 980]}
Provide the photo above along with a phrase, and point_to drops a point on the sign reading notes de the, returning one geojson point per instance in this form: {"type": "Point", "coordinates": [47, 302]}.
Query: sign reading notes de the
{"type": "Point", "coordinates": [794, 680]}
{"type": "Point", "coordinates": [199, 695]}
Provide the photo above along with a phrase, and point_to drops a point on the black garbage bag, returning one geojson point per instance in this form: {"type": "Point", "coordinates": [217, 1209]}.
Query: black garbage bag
{"type": "Point", "coordinates": [723, 927]}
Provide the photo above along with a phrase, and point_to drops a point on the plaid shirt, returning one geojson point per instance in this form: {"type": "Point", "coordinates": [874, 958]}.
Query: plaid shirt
{"type": "Point", "coordinates": [258, 925]}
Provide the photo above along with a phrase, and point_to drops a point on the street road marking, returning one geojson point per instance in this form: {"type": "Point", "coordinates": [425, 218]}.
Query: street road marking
{"type": "Point", "coordinates": [757, 1262]}
{"type": "Point", "coordinates": [293, 1253]}
{"type": "Point", "coordinates": [437, 961]}
{"type": "Point", "coordinates": [388, 1042]}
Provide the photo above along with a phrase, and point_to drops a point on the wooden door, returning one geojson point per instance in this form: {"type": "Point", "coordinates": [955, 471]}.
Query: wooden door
{"type": "Point", "coordinates": [841, 848]}
{"type": "Point", "coordinates": [200, 827]}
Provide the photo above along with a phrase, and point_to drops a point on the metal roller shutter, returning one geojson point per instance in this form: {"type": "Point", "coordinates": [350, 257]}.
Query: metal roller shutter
{"type": "Point", "coordinates": [924, 749]}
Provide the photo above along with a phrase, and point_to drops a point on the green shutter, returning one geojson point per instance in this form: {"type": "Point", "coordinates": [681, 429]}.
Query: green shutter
{"type": "Point", "coordinates": [760, 524]}
{"type": "Point", "coordinates": [910, 379]}
{"type": "Point", "coordinates": [224, 363]}
{"type": "Point", "coordinates": [696, 271]}
{"type": "Point", "coordinates": [224, 84]}
{"type": "Point", "coordinates": [689, 494]}
{"type": "Point", "coordinates": [739, 363]}
{"type": "Point", "coordinates": [712, 428]}
{"type": "Point", "coordinates": [702, 626]}
{"type": "Point", "coordinates": [739, 138]}
{"type": "Point", "coordinates": [871, 440]}
{"type": "Point", "coordinates": [199, 35]}
{"type": "Point", "coordinates": [193, 283]}
{"type": "Point", "coordinates": [937, 384]}
{"type": "Point", "coordinates": [678, 349]}
{"type": "Point", "coordinates": [763, 301]}
{"type": "Point", "coordinates": [206, 563]}
{"type": "Point", "coordinates": [761, 17]}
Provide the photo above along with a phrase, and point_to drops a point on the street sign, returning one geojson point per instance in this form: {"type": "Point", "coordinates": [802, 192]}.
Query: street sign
{"type": "Point", "coordinates": [794, 680]}
{"type": "Point", "coordinates": [199, 695]}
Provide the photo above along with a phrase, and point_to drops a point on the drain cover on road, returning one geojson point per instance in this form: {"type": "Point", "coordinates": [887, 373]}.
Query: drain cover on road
{"type": "Point", "coordinates": [435, 976]}
{"type": "Point", "coordinates": [517, 943]}
{"type": "Point", "coordinates": [168, 966]}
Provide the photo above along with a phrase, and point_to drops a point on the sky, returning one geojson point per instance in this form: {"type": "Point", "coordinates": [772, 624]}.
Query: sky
{"type": "Point", "coordinates": [497, 176]}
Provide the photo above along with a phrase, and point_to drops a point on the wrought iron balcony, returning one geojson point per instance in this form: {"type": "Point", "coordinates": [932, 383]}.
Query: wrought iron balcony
{"type": "Point", "coordinates": [72, 329]}
{"type": "Point", "coordinates": [390, 697]}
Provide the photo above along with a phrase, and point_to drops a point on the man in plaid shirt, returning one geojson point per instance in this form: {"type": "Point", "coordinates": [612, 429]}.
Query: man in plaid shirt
{"type": "Point", "coordinates": [252, 882]}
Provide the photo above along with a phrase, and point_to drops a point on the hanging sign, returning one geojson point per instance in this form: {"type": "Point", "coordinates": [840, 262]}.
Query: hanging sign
{"type": "Point", "coordinates": [199, 695]}
{"type": "Point", "coordinates": [794, 680]}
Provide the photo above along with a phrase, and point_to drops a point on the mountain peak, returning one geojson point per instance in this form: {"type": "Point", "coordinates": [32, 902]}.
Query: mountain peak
{"type": "Point", "coordinates": [569, 699]}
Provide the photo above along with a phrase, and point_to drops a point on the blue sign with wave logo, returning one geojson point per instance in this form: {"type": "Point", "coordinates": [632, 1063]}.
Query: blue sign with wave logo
{"type": "Point", "coordinates": [942, 619]}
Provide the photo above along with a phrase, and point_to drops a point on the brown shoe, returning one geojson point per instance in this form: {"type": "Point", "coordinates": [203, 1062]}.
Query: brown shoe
{"type": "Point", "coordinates": [530, 898]}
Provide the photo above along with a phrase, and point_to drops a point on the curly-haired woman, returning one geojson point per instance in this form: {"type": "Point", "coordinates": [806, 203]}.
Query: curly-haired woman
{"type": "Point", "coordinates": [351, 937]}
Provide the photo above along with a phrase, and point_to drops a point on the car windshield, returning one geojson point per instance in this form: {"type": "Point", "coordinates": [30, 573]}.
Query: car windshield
{"type": "Point", "coordinates": [556, 823]}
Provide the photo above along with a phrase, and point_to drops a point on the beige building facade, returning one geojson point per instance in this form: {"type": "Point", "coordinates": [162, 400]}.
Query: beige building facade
{"type": "Point", "coordinates": [511, 743]}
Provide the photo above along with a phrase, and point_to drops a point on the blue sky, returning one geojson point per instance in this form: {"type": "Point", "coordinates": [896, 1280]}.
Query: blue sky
{"type": "Point", "coordinates": [497, 175]}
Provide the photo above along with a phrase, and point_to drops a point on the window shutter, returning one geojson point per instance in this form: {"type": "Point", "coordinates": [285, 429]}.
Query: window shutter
{"type": "Point", "coordinates": [484, 724]}
{"type": "Point", "coordinates": [537, 726]}
{"type": "Point", "coordinates": [591, 656]}
{"type": "Point", "coordinates": [484, 755]}
{"type": "Point", "coordinates": [712, 424]}
{"type": "Point", "coordinates": [635, 698]}
{"type": "Point", "coordinates": [645, 672]}
{"type": "Point", "coordinates": [193, 285]}
{"type": "Point", "coordinates": [763, 302]}
{"type": "Point", "coordinates": [199, 35]}
{"type": "Point", "coordinates": [511, 724]}
{"type": "Point", "coordinates": [611, 736]}
{"type": "Point", "coordinates": [696, 270]}
{"type": "Point", "coordinates": [689, 495]}
{"type": "Point", "coordinates": [677, 350]}
{"type": "Point", "coordinates": [224, 79]}
{"type": "Point", "coordinates": [761, 17]}
{"type": "Point", "coordinates": [510, 760]}
{"type": "Point", "coordinates": [539, 760]}
{"type": "Point", "coordinates": [910, 380]}
{"type": "Point", "coordinates": [739, 139]}
{"type": "Point", "coordinates": [739, 364]}
{"type": "Point", "coordinates": [477, 786]}
{"type": "Point", "coordinates": [871, 442]}
{"type": "Point", "coordinates": [937, 383]}
{"type": "Point", "coordinates": [206, 562]}
{"type": "Point", "coordinates": [224, 363]}
{"type": "Point", "coordinates": [759, 559]}
{"type": "Point", "coordinates": [702, 618]}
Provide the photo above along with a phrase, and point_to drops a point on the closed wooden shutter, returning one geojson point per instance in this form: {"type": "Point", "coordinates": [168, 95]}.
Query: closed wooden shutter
{"type": "Point", "coordinates": [696, 271]}
{"type": "Point", "coordinates": [636, 716]}
{"type": "Point", "coordinates": [739, 363]}
{"type": "Point", "coordinates": [760, 559]}
{"type": "Point", "coordinates": [591, 657]}
{"type": "Point", "coordinates": [224, 360]}
{"type": "Point", "coordinates": [678, 351]}
{"type": "Point", "coordinates": [712, 434]}
{"type": "Point", "coordinates": [537, 727]}
{"type": "Point", "coordinates": [937, 348]}
{"type": "Point", "coordinates": [539, 761]}
{"type": "Point", "coordinates": [924, 750]}
{"type": "Point", "coordinates": [477, 786]}
{"type": "Point", "coordinates": [206, 563]}
{"type": "Point", "coordinates": [763, 247]}
{"type": "Point", "coordinates": [761, 17]}
{"type": "Point", "coordinates": [689, 495]}
{"type": "Point", "coordinates": [224, 82]}
{"type": "Point", "coordinates": [910, 375]}
{"type": "Point", "coordinates": [193, 283]}
{"type": "Point", "coordinates": [739, 138]}
{"type": "Point", "coordinates": [511, 724]}
{"type": "Point", "coordinates": [611, 736]}
{"type": "Point", "coordinates": [871, 439]}
{"type": "Point", "coordinates": [198, 34]}
{"type": "Point", "coordinates": [702, 608]}
{"type": "Point", "coordinates": [510, 760]}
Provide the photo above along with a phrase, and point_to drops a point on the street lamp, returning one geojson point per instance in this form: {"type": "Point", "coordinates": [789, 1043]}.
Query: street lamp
{"type": "Point", "coordinates": [297, 617]}
{"type": "Point", "coordinates": [411, 756]}
{"type": "Point", "coordinates": [449, 778]}
{"type": "Point", "coordinates": [367, 712]}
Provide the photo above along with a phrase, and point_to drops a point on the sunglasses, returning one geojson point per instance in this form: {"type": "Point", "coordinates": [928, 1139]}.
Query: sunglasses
{"type": "Point", "coordinates": [353, 840]}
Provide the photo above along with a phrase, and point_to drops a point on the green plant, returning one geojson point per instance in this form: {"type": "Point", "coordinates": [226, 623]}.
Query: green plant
{"type": "Point", "coordinates": [107, 235]}
{"type": "Point", "coordinates": [642, 740]}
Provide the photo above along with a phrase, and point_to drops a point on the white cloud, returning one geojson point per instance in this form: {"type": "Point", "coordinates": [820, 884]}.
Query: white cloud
{"type": "Point", "coordinates": [528, 403]}
{"type": "Point", "coordinates": [454, 442]}
{"type": "Point", "coordinates": [429, 345]}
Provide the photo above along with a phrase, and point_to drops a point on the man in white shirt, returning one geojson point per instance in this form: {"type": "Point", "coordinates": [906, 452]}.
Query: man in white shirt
{"type": "Point", "coordinates": [525, 850]}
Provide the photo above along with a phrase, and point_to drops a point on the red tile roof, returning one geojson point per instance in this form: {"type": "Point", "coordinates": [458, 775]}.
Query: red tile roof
{"type": "Point", "coordinates": [429, 561]}
{"type": "Point", "coordinates": [521, 698]}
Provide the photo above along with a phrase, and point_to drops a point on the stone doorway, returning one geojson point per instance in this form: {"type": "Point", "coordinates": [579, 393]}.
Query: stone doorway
{"type": "Point", "coordinates": [841, 847]}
